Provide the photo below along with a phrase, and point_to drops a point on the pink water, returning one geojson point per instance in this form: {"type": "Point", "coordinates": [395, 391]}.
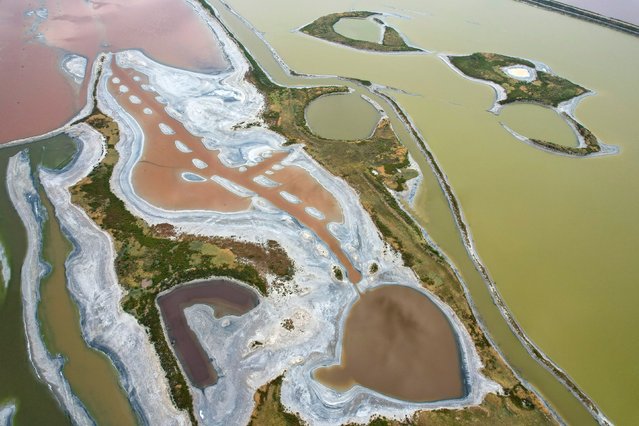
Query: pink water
{"type": "Point", "coordinates": [624, 10]}
{"type": "Point", "coordinates": [37, 96]}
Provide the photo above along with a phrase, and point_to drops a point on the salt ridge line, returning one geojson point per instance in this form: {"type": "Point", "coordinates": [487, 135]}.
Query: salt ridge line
{"type": "Point", "coordinates": [7, 412]}
{"type": "Point", "coordinates": [27, 203]}
{"type": "Point", "coordinates": [6, 267]}
{"type": "Point", "coordinates": [308, 397]}
{"type": "Point", "coordinates": [93, 284]}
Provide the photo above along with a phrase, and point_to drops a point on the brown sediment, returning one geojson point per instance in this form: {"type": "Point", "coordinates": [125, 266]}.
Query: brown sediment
{"type": "Point", "coordinates": [157, 177]}
{"type": "Point", "coordinates": [226, 297]}
{"type": "Point", "coordinates": [399, 343]}
{"type": "Point", "coordinates": [37, 95]}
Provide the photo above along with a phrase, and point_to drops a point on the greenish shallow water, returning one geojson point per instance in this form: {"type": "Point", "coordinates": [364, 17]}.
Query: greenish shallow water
{"type": "Point", "coordinates": [559, 235]}
{"type": "Point", "coordinates": [332, 117]}
{"type": "Point", "coordinates": [90, 374]}
{"type": "Point", "coordinates": [36, 405]}
{"type": "Point", "coordinates": [537, 122]}
{"type": "Point", "coordinates": [359, 29]}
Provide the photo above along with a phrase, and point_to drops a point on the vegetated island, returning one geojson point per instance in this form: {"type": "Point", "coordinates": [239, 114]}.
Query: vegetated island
{"type": "Point", "coordinates": [533, 84]}
{"type": "Point", "coordinates": [323, 28]}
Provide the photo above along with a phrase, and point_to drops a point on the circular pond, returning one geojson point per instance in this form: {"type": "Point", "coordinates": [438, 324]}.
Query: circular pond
{"type": "Point", "coordinates": [360, 29]}
{"type": "Point", "coordinates": [345, 117]}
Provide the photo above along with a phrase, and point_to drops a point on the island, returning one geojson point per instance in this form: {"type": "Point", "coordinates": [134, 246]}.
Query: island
{"type": "Point", "coordinates": [324, 28]}
{"type": "Point", "coordinates": [522, 80]}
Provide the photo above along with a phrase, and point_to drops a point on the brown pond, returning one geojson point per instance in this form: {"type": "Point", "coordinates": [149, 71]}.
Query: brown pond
{"type": "Point", "coordinates": [399, 343]}
{"type": "Point", "coordinates": [38, 96]}
{"type": "Point", "coordinates": [226, 297]}
{"type": "Point", "coordinates": [157, 177]}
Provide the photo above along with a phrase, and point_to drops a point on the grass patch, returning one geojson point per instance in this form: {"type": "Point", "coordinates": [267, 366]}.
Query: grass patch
{"type": "Point", "coordinates": [323, 28]}
{"type": "Point", "coordinates": [269, 410]}
{"type": "Point", "coordinates": [548, 89]}
{"type": "Point", "coordinates": [152, 259]}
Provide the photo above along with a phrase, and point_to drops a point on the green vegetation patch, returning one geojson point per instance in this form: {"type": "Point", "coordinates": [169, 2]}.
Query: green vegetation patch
{"type": "Point", "coordinates": [323, 28]}
{"type": "Point", "coordinates": [547, 89]}
{"type": "Point", "coordinates": [152, 259]}
{"type": "Point", "coordinates": [269, 410]}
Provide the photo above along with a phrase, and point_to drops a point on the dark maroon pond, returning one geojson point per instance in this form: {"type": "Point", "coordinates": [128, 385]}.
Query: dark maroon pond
{"type": "Point", "coordinates": [226, 297]}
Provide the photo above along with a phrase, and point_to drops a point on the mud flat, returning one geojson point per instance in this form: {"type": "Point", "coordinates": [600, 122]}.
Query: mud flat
{"type": "Point", "coordinates": [253, 349]}
{"type": "Point", "coordinates": [225, 296]}
{"type": "Point", "coordinates": [92, 282]}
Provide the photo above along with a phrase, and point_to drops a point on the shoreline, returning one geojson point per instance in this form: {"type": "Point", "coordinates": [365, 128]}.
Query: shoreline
{"type": "Point", "coordinates": [565, 110]}
{"type": "Point", "coordinates": [48, 369]}
{"type": "Point", "coordinates": [412, 49]}
{"type": "Point", "coordinates": [379, 109]}
{"type": "Point", "coordinates": [118, 335]}
{"type": "Point", "coordinates": [6, 268]}
{"type": "Point", "coordinates": [84, 112]}
{"type": "Point", "coordinates": [7, 412]}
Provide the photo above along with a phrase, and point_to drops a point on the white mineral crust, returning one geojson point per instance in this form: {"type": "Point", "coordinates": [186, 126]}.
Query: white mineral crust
{"type": "Point", "coordinates": [75, 66]}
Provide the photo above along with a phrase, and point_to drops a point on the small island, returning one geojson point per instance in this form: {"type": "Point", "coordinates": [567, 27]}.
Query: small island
{"type": "Point", "coordinates": [521, 80]}
{"type": "Point", "coordinates": [323, 28]}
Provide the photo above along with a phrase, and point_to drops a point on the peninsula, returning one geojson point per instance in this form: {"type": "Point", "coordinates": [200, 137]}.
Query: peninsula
{"type": "Point", "coordinates": [521, 80]}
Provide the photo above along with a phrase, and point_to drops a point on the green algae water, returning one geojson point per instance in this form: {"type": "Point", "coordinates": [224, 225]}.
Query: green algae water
{"type": "Point", "coordinates": [557, 234]}
{"type": "Point", "coordinates": [359, 29]}
{"type": "Point", "coordinates": [90, 374]}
